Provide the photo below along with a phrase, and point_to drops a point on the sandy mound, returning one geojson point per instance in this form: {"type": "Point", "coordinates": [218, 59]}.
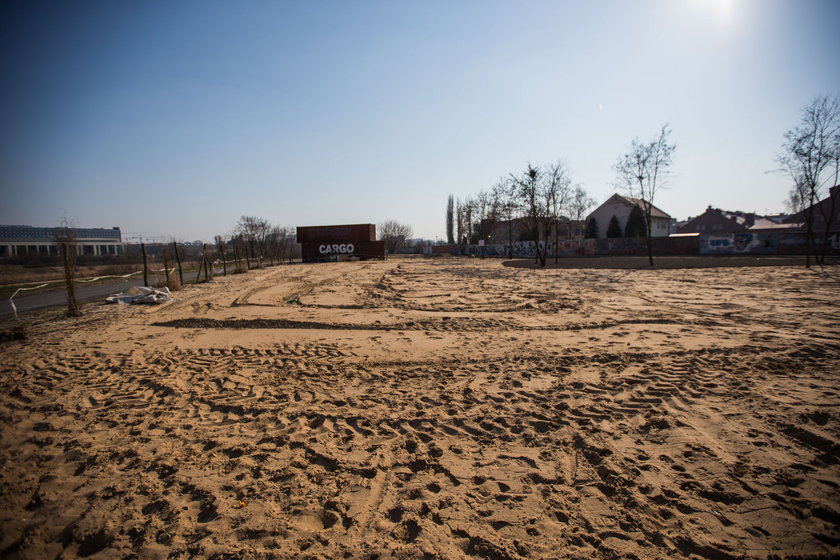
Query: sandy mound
{"type": "Point", "coordinates": [433, 409]}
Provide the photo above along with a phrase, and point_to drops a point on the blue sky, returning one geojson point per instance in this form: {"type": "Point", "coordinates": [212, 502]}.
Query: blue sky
{"type": "Point", "coordinates": [172, 119]}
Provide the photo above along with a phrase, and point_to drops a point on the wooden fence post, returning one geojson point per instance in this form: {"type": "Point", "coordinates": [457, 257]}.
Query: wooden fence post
{"type": "Point", "coordinates": [145, 265]}
{"type": "Point", "coordinates": [203, 256]}
{"type": "Point", "coordinates": [207, 267]}
{"type": "Point", "coordinates": [178, 258]}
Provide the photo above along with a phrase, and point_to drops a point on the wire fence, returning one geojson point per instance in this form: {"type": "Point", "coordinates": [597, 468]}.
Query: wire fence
{"type": "Point", "coordinates": [207, 265]}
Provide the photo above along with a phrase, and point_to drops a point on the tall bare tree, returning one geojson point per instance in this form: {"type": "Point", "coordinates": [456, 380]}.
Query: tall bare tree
{"type": "Point", "coordinates": [811, 155]}
{"type": "Point", "coordinates": [450, 220]}
{"type": "Point", "coordinates": [459, 222]}
{"type": "Point", "coordinates": [642, 172]}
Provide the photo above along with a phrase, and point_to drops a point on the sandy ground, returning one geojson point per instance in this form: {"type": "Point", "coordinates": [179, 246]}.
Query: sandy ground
{"type": "Point", "coordinates": [433, 409]}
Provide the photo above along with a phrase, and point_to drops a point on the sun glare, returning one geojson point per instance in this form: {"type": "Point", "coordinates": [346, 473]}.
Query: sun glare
{"type": "Point", "coordinates": [725, 11]}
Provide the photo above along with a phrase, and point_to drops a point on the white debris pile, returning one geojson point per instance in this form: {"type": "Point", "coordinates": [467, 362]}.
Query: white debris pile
{"type": "Point", "coordinates": [141, 294]}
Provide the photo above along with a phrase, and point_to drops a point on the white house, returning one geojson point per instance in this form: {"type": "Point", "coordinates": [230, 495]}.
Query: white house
{"type": "Point", "coordinates": [620, 207]}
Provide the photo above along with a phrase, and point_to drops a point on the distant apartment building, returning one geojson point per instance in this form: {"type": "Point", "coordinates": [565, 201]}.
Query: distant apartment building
{"type": "Point", "coordinates": [28, 241]}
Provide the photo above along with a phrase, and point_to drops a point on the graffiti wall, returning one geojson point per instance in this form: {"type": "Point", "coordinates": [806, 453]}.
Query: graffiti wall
{"type": "Point", "coordinates": [753, 243]}
{"type": "Point", "coordinates": [758, 243]}
{"type": "Point", "coordinates": [568, 248]}
{"type": "Point", "coordinates": [735, 243]}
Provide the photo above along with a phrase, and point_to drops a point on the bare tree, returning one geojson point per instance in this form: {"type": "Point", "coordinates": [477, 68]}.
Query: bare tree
{"type": "Point", "coordinates": [272, 242]}
{"type": "Point", "coordinates": [66, 239]}
{"type": "Point", "coordinates": [481, 206]}
{"type": "Point", "coordinates": [536, 202]}
{"type": "Point", "coordinates": [393, 234]}
{"type": "Point", "coordinates": [491, 214]}
{"type": "Point", "coordinates": [279, 241]}
{"type": "Point", "coordinates": [240, 253]}
{"type": "Point", "coordinates": [811, 149]}
{"type": "Point", "coordinates": [642, 172]}
{"type": "Point", "coordinates": [288, 245]}
{"type": "Point", "coordinates": [796, 198]}
{"type": "Point", "coordinates": [450, 220]}
{"type": "Point", "coordinates": [557, 191]}
{"type": "Point", "coordinates": [579, 203]}
{"type": "Point", "coordinates": [254, 231]}
{"type": "Point", "coordinates": [507, 206]}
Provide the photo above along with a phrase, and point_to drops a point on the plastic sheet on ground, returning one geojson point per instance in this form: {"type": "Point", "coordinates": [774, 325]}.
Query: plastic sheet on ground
{"type": "Point", "coordinates": [141, 294]}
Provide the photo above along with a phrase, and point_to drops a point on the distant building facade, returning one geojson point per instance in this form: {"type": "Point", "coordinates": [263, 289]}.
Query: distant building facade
{"type": "Point", "coordinates": [826, 211]}
{"type": "Point", "coordinates": [620, 207]}
{"type": "Point", "coordinates": [28, 241]}
{"type": "Point", "coordinates": [715, 221]}
{"type": "Point", "coordinates": [718, 222]}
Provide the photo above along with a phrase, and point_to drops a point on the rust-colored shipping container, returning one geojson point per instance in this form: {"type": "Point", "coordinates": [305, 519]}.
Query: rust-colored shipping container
{"type": "Point", "coordinates": [336, 234]}
{"type": "Point", "coordinates": [325, 252]}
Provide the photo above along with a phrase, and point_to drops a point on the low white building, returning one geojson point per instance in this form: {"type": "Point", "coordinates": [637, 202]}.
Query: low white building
{"type": "Point", "coordinates": [620, 207]}
{"type": "Point", "coordinates": [28, 241]}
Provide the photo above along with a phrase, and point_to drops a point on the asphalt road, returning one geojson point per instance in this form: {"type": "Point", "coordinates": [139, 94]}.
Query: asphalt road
{"type": "Point", "coordinates": [58, 297]}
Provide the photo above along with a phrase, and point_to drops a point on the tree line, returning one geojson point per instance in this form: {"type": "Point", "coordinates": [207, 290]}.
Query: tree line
{"type": "Point", "coordinates": [546, 197]}
{"type": "Point", "coordinates": [542, 197]}
{"type": "Point", "coordinates": [256, 242]}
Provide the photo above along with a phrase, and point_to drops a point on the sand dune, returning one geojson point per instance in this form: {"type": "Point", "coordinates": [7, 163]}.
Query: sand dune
{"type": "Point", "coordinates": [433, 409]}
